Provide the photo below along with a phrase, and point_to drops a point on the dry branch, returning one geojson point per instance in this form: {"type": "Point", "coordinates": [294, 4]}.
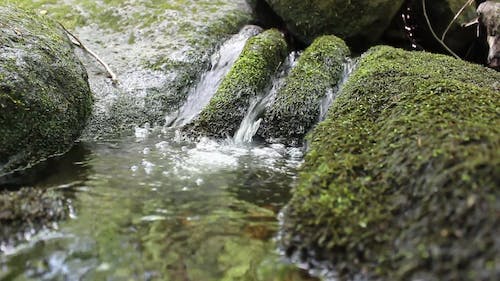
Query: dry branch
{"type": "Point", "coordinates": [79, 43]}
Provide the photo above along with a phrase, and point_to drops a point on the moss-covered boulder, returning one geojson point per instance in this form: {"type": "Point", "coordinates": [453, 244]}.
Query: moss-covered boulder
{"type": "Point", "coordinates": [45, 98]}
{"type": "Point", "coordinates": [296, 107]}
{"type": "Point", "coordinates": [249, 77]}
{"type": "Point", "coordinates": [401, 179]}
{"type": "Point", "coordinates": [360, 21]}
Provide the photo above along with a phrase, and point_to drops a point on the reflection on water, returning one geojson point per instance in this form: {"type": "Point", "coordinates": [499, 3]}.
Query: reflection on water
{"type": "Point", "coordinates": [156, 208]}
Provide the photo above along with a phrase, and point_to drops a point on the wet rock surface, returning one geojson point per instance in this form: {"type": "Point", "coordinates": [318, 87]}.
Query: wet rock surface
{"type": "Point", "coordinates": [401, 179]}
{"type": "Point", "coordinates": [45, 99]}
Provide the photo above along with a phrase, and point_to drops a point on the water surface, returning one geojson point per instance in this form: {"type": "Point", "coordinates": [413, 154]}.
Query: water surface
{"type": "Point", "coordinates": [154, 207]}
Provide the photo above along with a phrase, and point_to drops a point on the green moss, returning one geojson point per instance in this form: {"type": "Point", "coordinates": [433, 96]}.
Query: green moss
{"type": "Point", "coordinates": [402, 178]}
{"type": "Point", "coordinates": [44, 94]}
{"type": "Point", "coordinates": [248, 77]}
{"type": "Point", "coordinates": [297, 105]}
{"type": "Point", "coordinates": [359, 19]}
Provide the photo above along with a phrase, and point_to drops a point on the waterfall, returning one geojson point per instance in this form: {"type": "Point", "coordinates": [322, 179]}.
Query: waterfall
{"type": "Point", "coordinates": [221, 62]}
{"type": "Point", "coordinates": [250, 124]}
{"type": "Point", "coordinates": [331, 94]}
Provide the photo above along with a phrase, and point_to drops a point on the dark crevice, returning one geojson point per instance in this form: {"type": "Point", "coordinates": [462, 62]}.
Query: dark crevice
{"type": "Point", "coordinates": [409, 30]}
{"type": "Point", "coordinates": [266, 18]}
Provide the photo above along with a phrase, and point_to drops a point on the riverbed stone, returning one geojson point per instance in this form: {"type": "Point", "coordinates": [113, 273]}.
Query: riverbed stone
{"type": "Point", "coordinates": [157, 49]}
{"type": "Point", "coordinates": [360, 22]}
{"type": "Point", "coordinates": [296, 107]}
{"type": "Point", "coordinates": [29, 209]}
{"type": "Point", "coordinates": [249, 77]}
{"type": "Point", "coordinates": [401, 180]}
{"type": "Point", "coordinates": [45, 98]}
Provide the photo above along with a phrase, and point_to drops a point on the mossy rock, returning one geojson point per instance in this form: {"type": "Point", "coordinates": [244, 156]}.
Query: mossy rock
{"type": "Point", "coordinates": [45, 98]}
{"type": "Point", "coordinates": [249, 77]}
{"type": "Point", "coordinates": [360, 22]}
{"type": "Point", "coordinates": [401, 179]}
{"type": "Point", "coordinates": [297, 104]}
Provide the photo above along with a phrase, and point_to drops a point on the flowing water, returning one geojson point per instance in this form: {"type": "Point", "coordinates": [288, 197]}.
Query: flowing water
{"type": "Point", "coordinates": [348, 68]}
{"type": "Point", "coordinates": [251, 122]}
{"type": "Point", "coordinates": [221, 64]}
{"type": "Point", "coordinates": [153, 207]}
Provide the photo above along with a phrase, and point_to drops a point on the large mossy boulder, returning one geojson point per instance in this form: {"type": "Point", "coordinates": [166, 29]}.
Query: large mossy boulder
{"type": "Point", "coordinates": [296, 107]}
{"type": "Point", "coordinates": [360, 22]}
{"type": "Point", "coordinates": [401, 180]}
{"type": "Point", "coordinates": [248, 78]}
{"type": "Point", "coordinates": [45, 99]}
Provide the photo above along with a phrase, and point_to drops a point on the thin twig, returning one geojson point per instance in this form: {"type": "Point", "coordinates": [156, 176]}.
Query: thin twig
{"type": "Point", "coordinates": [434, 33]}
{"type": "Point", "coordinates": [112, 75]}
{"type": "Point", "coordinates": [455, 18]}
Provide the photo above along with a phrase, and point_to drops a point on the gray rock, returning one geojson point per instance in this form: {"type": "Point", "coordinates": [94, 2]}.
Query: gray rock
{"type": "Point", "coordinates": [489, 16]}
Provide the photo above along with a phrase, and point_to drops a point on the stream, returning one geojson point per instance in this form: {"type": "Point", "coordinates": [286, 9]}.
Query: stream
{"type": "Point", "coordinates": [154, 207]}
{"type": "Point", "coordinates": [151, 205]}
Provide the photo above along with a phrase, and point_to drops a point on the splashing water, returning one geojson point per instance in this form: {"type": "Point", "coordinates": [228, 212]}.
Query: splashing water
{"type": "Point", "coordinates": [222, 61]}
{"type": "Point", "coordinates": [331, 94]}
{"type": "Point", "coordinates": [250, 124]}
{"type": "Point", "coordinates": [151, 207]}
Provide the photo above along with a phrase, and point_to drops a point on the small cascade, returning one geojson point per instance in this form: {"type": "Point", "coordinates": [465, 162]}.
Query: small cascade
{"type": "Point", "coordinates": [221, 62]}
{"type": "Point", "coordinates": [250, 124]}
{"type": "Point", "coordinates": [331, 94]}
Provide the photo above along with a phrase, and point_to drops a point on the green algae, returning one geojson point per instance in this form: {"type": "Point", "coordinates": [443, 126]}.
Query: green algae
{"type": "Point", "coordinates": [44, 94]}
{"type": "Point", "coordinates": [248, 78]}
{"type": "Point", "coordinates": [401, 180]}
{"type": "Point", "coordinates": [297, 104]}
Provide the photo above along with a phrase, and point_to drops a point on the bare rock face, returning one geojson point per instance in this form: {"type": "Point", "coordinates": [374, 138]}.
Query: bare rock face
{"type": "Point", "coordinates": [489, 16]}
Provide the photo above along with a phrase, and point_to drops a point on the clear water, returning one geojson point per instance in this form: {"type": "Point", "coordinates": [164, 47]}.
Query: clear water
{"type": "Point", "coordinates": [152, 207]}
